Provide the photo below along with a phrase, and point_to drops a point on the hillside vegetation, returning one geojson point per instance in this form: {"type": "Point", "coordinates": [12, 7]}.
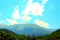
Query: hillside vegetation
{"type": "Point", "coordinates": [9, 35]}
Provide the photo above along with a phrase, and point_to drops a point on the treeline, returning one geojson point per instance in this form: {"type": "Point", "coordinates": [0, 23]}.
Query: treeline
{"type": "Point", "coordinates": [9, 35]}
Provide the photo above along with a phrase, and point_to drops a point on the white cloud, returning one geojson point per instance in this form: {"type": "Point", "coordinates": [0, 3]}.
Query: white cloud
{"type": "Point", "coordinates": [16, 14]}
{"type": "Point", "coordinates": [28, 8]}
{"type": "Point", "coordinates": [22, 22]}
{"type": "Point", "coordinates": [11, 22]}
{"type": "Point", "coordinates": [34, 8]}
{"type": "Point", "coordinates": [37, 9]}
{"type": "Point", "coordinates": [41, 23]}
{"type": "Point", "coordinates": [44, 2]}
{"type": "Point", "coordinates": [26, 18]}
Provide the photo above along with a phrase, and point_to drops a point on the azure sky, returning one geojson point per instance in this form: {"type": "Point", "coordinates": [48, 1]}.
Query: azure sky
{"type": "Point", "coordinates": [44, 13]}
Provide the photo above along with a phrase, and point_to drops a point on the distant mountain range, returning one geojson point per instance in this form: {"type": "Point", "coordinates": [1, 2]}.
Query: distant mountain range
{"type": "Point", "coordinates": [27, 29]}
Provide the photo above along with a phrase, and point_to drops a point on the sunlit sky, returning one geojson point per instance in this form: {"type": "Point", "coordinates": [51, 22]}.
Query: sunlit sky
{"type": "Point", "coordinates": [44, 13]}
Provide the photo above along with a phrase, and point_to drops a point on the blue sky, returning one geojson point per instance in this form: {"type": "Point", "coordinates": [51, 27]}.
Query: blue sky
{"type": "Point", "coordinates": [45, 13]}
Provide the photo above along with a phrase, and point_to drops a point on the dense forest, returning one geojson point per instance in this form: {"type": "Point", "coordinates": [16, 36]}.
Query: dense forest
{"type": "Point", "coordinates": [9, 35]}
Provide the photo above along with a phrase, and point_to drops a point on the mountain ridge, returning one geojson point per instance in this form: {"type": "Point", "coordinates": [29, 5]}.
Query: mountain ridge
{"type": "Point", "coordinates": [27, 29]}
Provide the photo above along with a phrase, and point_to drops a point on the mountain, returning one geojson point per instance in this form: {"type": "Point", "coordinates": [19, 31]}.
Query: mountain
{"type": "Point", "coordinates": [30, 29]}
{"type": "Point", "coordinates": [7, 31]}
{"type": "Point", "coordinates": [56, 34]}
{"type": "Point", "coordinates": [7, 35]}
{"type": "Point", "coordinates": [27, 29]}
{"type": "Point", "coordinates": [53, 36]}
